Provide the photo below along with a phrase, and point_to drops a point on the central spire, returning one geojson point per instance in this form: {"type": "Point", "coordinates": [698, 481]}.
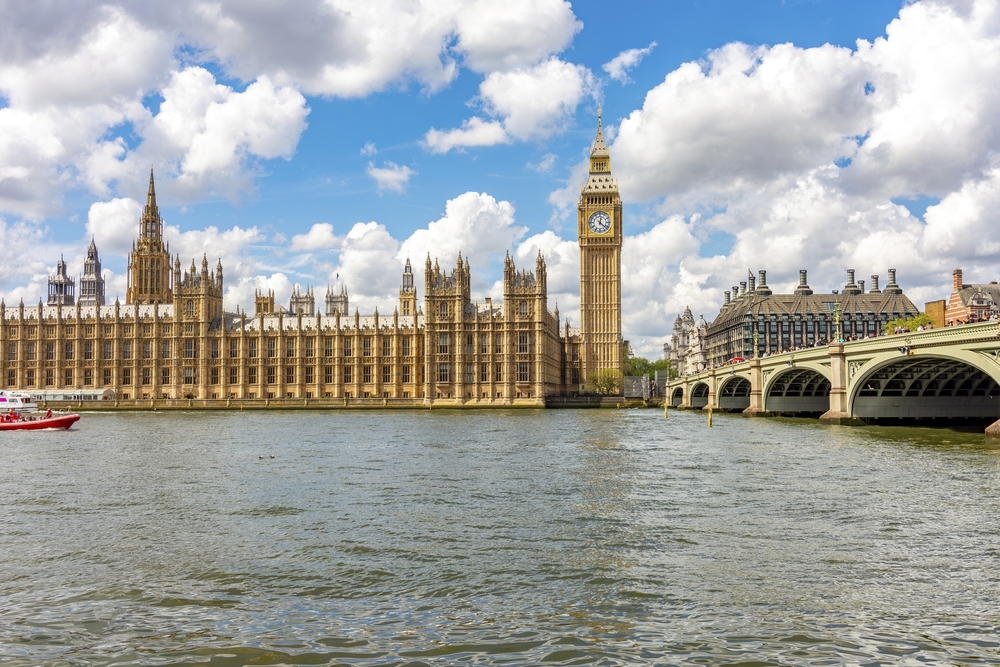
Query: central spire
{"type": "Point", "coordinates": [151, 226]}
{"type": "Point", "coordinates": [600, 157]}
{"type": "Point", "coordinates": [151, 195]}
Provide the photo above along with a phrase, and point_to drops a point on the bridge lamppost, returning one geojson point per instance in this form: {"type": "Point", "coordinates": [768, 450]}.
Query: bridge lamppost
{"type": "Point", "coordinates": [836, 319]}
{"type": "Point", "coordinates": [756, 338]}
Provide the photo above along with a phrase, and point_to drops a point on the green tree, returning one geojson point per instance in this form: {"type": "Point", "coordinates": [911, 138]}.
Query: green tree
{"type": "Point", "coordinates": [642, 366]}
{"type": "Point", "coordinates": [605, 381]}
{"type": "Point", "coordinates": [911, 323]}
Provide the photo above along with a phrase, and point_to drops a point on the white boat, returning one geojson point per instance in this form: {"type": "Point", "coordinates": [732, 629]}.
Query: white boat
{"type": "Point", "coordinates": [16, 401]}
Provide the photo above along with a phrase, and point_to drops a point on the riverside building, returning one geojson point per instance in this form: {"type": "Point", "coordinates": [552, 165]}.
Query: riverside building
{"type": "Point", "coordinates": [754, 321]}
{"type": "Point", "coordinates": [172, 338]}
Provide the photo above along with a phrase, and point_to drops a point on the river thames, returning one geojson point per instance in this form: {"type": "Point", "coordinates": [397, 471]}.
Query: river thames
{"type": "Point", "coordinates": [603, 537]}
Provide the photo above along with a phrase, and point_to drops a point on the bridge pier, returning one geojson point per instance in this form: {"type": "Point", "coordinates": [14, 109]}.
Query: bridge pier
{"type": "Point", "coordinates": [756, 408]}
{"type": "Point", "coordinates": [686, 396]}
{"type": "Point", "coordinates": [993, 430]}
{"type": "Point", "coordinates": [838, 414]}
{"type": "Point", "coordinates": [713, 385]}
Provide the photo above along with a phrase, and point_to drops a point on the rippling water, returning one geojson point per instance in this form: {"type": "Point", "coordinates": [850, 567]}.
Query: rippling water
{"type": "Point", "coordinates": [605, 537]}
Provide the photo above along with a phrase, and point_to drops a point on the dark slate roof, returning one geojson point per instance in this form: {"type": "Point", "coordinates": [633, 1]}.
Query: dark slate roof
{"type": "Point", "coordinates": [817, 304]}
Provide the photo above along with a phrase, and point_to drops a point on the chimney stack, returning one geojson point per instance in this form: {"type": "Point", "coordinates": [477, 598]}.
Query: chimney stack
{"type": "Point", "coordinates": [861, 286]}
{"type": "Point", "coordinates": [743, 288]}
{"type": "Point", "coordinates": [736, 292]}
{"type": "Point", "coordinates": [956, 279]}
{"type": "Point", "coordinates": [753, 282]}
{"type": "Point", "coordinates": [851, 287]}
{"type": "Point", "coordinates": [727, 296]}
{"type": "Point", "coordinates": [892, 287]}
{"type": "Point", "coordinates": [875, 289]}
{"type": "Point", "coordinates": [803, 288]}
{"type": "Point", "coordinates": [762, 287]}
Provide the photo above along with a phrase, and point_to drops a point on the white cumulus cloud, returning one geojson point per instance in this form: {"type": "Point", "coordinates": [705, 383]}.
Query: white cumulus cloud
{"type": "Point", "coordinates": [525, 103]}
{"type": "Point", "coordinates": [63, 127]}
{"type": "Point", "coordinates": [619, 66]}
{"type": "Point", "coordinates": [474, 132]}
{"type": "Point", "coordinates": [391, 176]}
{"type": "Point", "coordinates": [319, 237]}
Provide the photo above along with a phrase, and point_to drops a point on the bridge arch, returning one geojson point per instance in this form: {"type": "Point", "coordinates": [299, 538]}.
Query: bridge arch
{"type": "Point", "coordinates": [699, 395]}
{"type": "Point", "coordinates": [798, 390]}
{"type": "Point", "coordinates": [734, 394]}
{"type": "Point", "coordinates": [676, 397]}
{"type": "Point", "coordinates": [931, 386]}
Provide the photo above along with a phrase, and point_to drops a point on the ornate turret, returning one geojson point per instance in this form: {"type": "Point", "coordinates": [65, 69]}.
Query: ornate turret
{"type": "Point", "coordinates": [61, 286]}
{"type": "Point", "coordinates": [199, 293]}
{"type": "Point", "coordinates": [149, 261]}
{"type": "Point", "coordinates": [92, 282]}
{"type": "Point", "coordinates": [263, 304]}
{"type": "Point", "coordinates": [407, 292]}
{"type": "Point", "coordinates": [302, 304]}
{"type": "Point", "coordinates": [337, 304]}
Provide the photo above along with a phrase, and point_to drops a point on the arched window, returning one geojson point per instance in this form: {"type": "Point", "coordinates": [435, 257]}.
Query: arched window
{"type": "Point", "coordinates": [189, 307]}
{"type": "Point", "coordinates": [444, 310]}
{"type": "Point", "coordinates": [523, 308]}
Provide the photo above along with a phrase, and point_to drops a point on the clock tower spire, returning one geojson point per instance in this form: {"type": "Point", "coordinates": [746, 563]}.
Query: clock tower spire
{"type": "Point", "coordinates": [599, 230]}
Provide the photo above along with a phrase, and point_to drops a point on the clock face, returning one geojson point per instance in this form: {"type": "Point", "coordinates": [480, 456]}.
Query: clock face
{"type": "Point", "coordinates": [599, 222]}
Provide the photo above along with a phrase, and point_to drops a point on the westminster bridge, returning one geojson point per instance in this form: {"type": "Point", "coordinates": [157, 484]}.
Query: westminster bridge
{"type": "Point", "coordinates": [949, 373]}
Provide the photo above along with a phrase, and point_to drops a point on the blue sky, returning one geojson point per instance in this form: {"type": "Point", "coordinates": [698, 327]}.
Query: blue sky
{"type": "Point", "coordinates": [311, 141]}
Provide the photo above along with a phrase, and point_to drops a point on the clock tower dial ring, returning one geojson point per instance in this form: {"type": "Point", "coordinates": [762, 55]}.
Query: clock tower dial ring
{"type": "Point", "coordinates": [599, 222]}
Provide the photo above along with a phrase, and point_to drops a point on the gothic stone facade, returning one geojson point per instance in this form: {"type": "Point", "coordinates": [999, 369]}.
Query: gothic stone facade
{"type": "Point", "coordinates": [453, 352]}
{"type": "Point", "coordinates": [172, 339]}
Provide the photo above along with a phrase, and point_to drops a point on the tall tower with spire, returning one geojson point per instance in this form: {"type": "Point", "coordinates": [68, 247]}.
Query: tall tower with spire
{"type": "Point", "coordinates": [599, 230]}
{"type": "Point", "coordinates": [149, 261]}
{"type": "Point", "coordinates": [407, 292]}
{"type": "Point", "coordinates": [92, 282]}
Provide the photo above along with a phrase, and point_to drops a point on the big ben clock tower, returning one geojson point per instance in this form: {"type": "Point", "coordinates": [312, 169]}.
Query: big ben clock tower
{"type": "Point", "coordinates": [599, 230]}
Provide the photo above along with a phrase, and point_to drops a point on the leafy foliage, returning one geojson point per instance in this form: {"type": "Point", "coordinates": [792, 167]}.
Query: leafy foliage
{"type": "Point", "coordinates": [643, 366]}
{"type": "Point", "coordinates": [911, 323]}
{"type": "Point", "coordinates": [605, 381]}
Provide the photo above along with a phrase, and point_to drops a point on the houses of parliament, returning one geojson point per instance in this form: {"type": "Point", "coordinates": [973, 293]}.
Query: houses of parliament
{"type": "Point", "coordinates": [172, 339]}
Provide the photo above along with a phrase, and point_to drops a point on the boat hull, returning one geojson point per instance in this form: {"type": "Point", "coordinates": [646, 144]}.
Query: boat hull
{"type": "Point", "coordinates": [55, 423]}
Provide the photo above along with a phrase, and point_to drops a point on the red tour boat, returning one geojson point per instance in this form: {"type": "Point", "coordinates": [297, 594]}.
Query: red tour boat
{"type": "Point", "coordinates": [50, 421]}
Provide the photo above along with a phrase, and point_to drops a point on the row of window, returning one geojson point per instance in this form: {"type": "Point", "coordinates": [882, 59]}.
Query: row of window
{"type": "Point", "coordinates": [190, 347]}
{"type": "Point", "coordinates": [444, 374]}
{"type": "Point", "coordinates": [444, 308]}
{"type": "Point", "coordinates": [189, 350]}
{"type": "Point", "coordinates": [523, 343]}
{"type": "Point", "coordinates": [88, 330]}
